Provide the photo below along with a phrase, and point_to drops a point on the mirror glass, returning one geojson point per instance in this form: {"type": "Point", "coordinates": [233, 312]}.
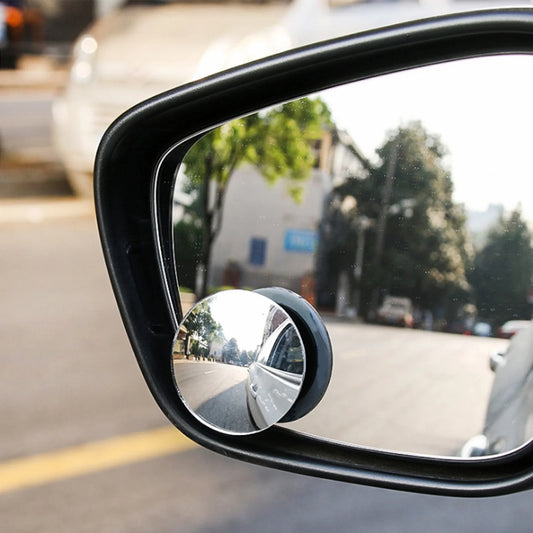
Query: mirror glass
{"type": "Point", "coordinates": [401, 208]}
{"type": "Point", "coordinates": [238, 362]}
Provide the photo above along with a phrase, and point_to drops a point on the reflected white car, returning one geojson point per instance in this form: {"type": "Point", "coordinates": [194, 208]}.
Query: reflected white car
{"type": "Point", "coordinates": [275, 378]}
{"type": "Point", "coordinates": [512, 327]}
{"type": "Point", "coordinates": [509, 415]}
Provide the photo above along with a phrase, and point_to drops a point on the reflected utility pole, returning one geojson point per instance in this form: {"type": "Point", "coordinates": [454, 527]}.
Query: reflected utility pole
{"type": "Point", "coordinates": [363, 223]}
{"type": "Point", "coordinates": [385, 203]}
{"type": "Point", "coordinates": [381, 224]}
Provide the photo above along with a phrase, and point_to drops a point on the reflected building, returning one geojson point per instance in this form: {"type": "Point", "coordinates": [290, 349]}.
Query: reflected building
{"type": "Point", "coordinates": [190, 345]}
{"type": "Point", "coordinates": [479, 223]}
{"type": "Point", "coordinates": [215, 348]}
{"type": "Point", "coordinates": [275, 318]}
{"type": "Point", "coordinates": [182, 343]}
{"type": "Point", "coordinates": [270, 239]}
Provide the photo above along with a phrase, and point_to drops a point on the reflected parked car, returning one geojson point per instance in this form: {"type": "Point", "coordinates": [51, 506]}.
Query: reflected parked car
{"type": "Point", "coordinates": [509, 416]}
{"type": "Point", "coordinates": [396, 311]}
{"type": "Point", "coordinates": [512, 327]}
{"type": "Point", "coordinates": [275, 378]}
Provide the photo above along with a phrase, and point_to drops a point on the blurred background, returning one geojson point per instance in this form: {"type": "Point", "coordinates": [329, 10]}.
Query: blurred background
{"type": "Point", "coordinates": [83, 446]}
{"type": "Point", "coordinates": [68, 68]}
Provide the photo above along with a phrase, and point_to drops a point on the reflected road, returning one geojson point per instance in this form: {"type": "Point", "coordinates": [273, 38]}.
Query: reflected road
{"type": "Point", "coordinates": [216, 391]}
{"type": "Point", "coordinates": [402, 389]}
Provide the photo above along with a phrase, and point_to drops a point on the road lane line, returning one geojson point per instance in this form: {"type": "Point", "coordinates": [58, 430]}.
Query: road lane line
{"type": "Point", "coordinates": [38, 210]}
{"type": "Point", "coordinates": [91, 457]}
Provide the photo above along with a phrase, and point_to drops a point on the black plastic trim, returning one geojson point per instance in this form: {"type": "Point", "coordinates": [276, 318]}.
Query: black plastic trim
{"type": "Point", "coordinates": [134, 145]}
{"type": "Point", "coordinates": [319, 355]}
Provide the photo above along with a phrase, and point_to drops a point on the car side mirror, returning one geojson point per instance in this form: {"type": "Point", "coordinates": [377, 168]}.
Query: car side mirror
{"type": "Point", "coordinates": [241, 372]}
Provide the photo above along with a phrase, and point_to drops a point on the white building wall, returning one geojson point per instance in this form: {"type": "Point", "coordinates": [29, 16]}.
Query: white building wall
{"type": "Point", "coordinates": [255, 209]}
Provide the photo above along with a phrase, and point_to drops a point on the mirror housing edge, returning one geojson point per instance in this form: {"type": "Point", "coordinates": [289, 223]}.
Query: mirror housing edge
{"type": "Point", "coordinates": [133, 205]}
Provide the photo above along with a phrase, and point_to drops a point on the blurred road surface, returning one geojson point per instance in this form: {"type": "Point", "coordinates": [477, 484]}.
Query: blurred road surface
{"type": "Point", "coordinates": [26, 120]}
{"type": "Point", "coordinates": [28, 163]}
{"type": "Point", "coordinates": [69, 378]}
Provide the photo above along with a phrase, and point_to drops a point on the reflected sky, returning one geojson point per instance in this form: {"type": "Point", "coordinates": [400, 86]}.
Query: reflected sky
{"type": "Point", "coordinates": [479, 107]}
{"type": "Point", "coordinates": [247, 327]}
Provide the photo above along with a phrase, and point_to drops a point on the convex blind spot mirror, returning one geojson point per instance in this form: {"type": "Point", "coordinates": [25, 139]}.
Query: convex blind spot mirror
{"type": "Point", "coordinates": [243, 361]}
{"type": "Point", "coordinates": [238, 362]}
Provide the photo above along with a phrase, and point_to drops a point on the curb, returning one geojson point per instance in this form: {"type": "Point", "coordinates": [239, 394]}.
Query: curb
{"type": "Point", "coordinates": [38, 177]}
{"type": "Point", "coordinates": [41, 210]}
{"type": "Point", "coordinates": [51, 80]}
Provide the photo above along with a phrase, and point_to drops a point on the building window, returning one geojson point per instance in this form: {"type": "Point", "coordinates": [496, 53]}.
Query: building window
{"type": "Point", "coordinates": [257, 251]}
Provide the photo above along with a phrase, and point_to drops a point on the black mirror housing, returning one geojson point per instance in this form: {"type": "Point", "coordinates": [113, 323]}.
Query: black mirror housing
{"type": "Point", "coordinates": [133, 186]}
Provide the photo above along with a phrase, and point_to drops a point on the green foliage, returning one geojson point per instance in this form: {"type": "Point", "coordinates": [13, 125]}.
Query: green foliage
{"type": "Point", "coordinates": [278, 142]}
{"type": "Point", "coordinates": [502, 271]}
{"type": "Point", "coordinates": [426, 254]}
{"type": "Point", "coordinates": [187, 239]}
{"type": "Point", "coordinates": [205, 329]}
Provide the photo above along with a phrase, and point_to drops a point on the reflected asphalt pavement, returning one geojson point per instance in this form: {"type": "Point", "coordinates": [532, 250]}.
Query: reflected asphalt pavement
{"type": "Point", "coordinates": [68, 377]}
{"type": "Point", "coordinates": [402, 389]}
{"type": "Point", "coordinates": [216, 392]}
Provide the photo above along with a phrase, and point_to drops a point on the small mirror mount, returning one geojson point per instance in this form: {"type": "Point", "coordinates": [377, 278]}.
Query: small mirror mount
{"type": "Point", "coordinates": [239, 361]}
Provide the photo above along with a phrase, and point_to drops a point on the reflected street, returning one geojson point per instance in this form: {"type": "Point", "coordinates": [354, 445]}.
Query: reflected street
{"type": "Point", "coordinates": [256, 362]}
{"type": "Point", "coordinates": [216, 392]}
{"type": "Point", "coordinates": [401, 389]}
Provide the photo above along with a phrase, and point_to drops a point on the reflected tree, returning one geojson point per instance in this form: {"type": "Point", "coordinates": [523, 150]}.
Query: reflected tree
{"type": "Point", "coordinates": [231, 353]}
{"type": "Point", "coordinates": [502, 271]}
{"type": "Point", "coordinates": [278, 142]}
{"type": "Point", "coordinates": [188, 233]}
{"type": "Point", "coordinates": [337, 244]}
{"type": "Point", "coordinates": [417, 245]}
{"type": "Point", "coordinates": [205, 329]}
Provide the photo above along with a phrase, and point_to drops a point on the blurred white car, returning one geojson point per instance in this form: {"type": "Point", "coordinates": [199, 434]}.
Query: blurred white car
{"type": "Point", "coordinates": [512, 327]}
{"type": "Point", "coordinates": [140, 51]}
{"type": "Point", "coordinates": [396, 311]}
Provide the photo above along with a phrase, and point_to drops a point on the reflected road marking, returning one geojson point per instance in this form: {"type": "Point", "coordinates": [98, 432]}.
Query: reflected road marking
{"type": "Point", "coordinates": [91, 457]}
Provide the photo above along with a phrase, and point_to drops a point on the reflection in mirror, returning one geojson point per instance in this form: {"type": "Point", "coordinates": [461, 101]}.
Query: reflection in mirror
{"type": "Point", "coordinates": [238, 362]}
{"type": "Point", "coordinates": [400, 208]}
